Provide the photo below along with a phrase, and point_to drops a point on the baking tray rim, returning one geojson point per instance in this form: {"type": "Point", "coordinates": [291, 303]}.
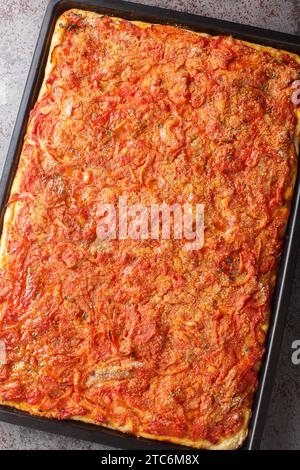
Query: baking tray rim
{"type": "Point", "coordinates": [134, 11]}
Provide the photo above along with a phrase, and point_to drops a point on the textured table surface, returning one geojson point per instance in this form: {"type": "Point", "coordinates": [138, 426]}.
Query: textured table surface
{"type": "Point", "coordinates": [19, 26]}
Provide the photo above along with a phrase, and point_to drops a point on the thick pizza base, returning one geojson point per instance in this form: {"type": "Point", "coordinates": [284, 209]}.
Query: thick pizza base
{"type": "Point", "coordinates": [14, 207]}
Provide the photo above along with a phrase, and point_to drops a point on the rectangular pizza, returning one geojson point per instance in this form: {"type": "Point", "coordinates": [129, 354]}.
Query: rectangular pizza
{"type": "Point", "coordinates": [139, 334]}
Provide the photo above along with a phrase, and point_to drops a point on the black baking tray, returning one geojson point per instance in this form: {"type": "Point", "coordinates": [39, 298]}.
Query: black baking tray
{"type": "Point", "coordinates": [133, 11]}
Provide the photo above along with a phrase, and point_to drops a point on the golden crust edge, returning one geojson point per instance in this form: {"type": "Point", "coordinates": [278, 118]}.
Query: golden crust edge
{"type": "Point", "coordinates": [57, 37]}
{"type": "Point", "coordinates": [232, 442]}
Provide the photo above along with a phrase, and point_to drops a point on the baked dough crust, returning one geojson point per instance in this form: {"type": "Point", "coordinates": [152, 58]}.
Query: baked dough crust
{"type": "Point", "coordinates": [232, 442]}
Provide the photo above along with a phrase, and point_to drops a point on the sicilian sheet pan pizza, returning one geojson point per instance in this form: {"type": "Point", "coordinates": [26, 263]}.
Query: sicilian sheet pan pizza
{"type": "Point", "coordinates": [140, 335]}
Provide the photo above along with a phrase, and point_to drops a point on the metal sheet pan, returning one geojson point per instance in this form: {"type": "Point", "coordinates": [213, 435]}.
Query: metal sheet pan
{"type": "Point", "coordinates": [281, 297]}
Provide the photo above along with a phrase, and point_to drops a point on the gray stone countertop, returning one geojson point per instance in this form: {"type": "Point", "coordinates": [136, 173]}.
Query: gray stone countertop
{"type": "Point", "coordinates": [19, 26]}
